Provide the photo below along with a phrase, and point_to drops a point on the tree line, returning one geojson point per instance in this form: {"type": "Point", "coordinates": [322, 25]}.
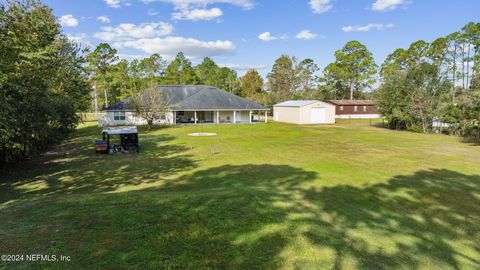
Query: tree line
{"type": "Point", "coordinates": [290, 78]}
{"type": "Point", "coordinates": [43, 83]}
{"type": "Point", "coordinates": [434, 86]}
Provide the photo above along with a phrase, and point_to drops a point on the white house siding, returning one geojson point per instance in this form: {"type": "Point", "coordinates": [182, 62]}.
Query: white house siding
{"type": "Point", "coordinates": [131, 119]}
{"type": "Point", "coordinates": [210, 116]}
{"type": "Point", "coordinates": [226, 116]}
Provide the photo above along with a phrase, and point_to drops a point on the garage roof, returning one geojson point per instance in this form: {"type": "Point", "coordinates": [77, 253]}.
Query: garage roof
{"type": "Point", "coordinates": [295, 103]}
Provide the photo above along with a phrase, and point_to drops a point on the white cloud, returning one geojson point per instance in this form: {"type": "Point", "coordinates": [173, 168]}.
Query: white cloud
{"type": "Point", "coordinates": [68, 21]}
{"type": "Point", "coordinates": [306, 35]}
{"type": "Point", "coordinates": [366, 28]}
{"type": "Point", "coordinates": [155, 38]}
{"type": "Point", "coordinates": [117, 3]}
{"type": "Point", "coordinates": [81, 39]}
{"type": "Point", "coordinates": [113, 3]}
{"type": "Point", "coordinates": [247, 4]}
{"type": "Point", "coordinates": [196, 10]}
{"type": "Point", "coordinates": [383, 5]}
{"type": "Point", "coordinates": [191, 47]}
{"type": "Point", "coordinates": [320, 6]}
{"type": "Point", "coordinates": [243, 67]}
{"type": "Point", "coordinates": [267, 36]}
{"type": "Point", "coordinates": [197, 14]}
{"type": "Point", "coordinates": [103, 19]}
{"type": "Point", "coordinates": [128, 31]}
{"type": "Point", "coordinates": [131, 57]}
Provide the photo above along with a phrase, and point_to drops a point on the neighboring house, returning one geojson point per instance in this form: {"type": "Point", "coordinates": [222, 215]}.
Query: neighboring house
{"type": "Point", "coordinates": [355, 109]}
{"type": "Point", "coordinates": [439, 126]}
{"type": "Point", "coordinates": [189, 104]}
{"type": "Point", "coordinates": [304, 112]}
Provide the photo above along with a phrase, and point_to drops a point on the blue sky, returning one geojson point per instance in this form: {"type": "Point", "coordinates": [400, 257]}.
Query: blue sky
{"type": "Point", "coordinates": [253, 33]}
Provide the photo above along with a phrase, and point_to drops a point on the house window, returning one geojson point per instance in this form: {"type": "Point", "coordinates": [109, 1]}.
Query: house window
{"type": "Point", "coordinates": [181, 113]}
{"type": "Point", "coordinates": [364, 108]}
{"type": "Point", "coordinates": [355, 108]}
{"type": "Point", "coordinates": [341, 108]}
{"type": "Point", "coordinates": [119, 116]}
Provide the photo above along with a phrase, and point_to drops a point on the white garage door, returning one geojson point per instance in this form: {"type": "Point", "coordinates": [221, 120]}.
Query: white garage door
{"type": "Point", "coordinates": [318, 115]}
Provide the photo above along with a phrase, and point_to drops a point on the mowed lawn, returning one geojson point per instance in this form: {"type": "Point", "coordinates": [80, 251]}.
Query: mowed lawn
{"type": "Point", "coordinates": [265, 196]}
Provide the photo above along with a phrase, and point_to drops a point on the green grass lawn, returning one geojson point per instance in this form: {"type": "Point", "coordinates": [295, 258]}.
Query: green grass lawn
{"type": "Point", "coordinates": [266, 196]}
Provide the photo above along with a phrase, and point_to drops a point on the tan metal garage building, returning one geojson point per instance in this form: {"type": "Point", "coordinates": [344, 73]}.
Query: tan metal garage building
{"type": "Point", "coordinates": [304, 112]}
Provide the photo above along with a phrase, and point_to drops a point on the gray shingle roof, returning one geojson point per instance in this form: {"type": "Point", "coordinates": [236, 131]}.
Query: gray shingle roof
{"type": "Point", "coordinates": [196, 97]}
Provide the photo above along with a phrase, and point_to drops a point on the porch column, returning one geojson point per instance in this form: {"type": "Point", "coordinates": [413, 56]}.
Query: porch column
{"type": "Point", "coordinates": [266, 114]}
{"type": "Point", "coordinates": [234, 117]}
{"type": "Point", "coordinates": [195, 117]}
{"type": "Point", "coordinates": [174, 117]}
{"type": "Point", "coordinates": [250, 117]}
{"type": "Point", "coordinates": [218, 117]}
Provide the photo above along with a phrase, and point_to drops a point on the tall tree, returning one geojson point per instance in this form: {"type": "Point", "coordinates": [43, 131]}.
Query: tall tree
{"type": "Point", "coordinates": [414, 86]}
{"type": "Point", "coordinates": [43, 84]}
{"type": "Point", "coordinates": [251, 83]}
{"type": "Point", "coordinates": [417, 53]}
{"type": "Point", "coordinates": [281, 80]}
{"type": "Point", "coordinates": [120, 86]}
{"type": "Point", "coordinates": [335, 82]}
{"type": "Point", "coordinates": [454, 54]}
{"type": "Point", "coordinates": [100, 62]}
{"type": "Point", "coordinates": [151, 70]}
{"type": "Point", "coordinates": [472, 36]}
{"type": "Point", "coordinates": [227, 80]}
{"type": "Point", "coordinates": [180, 71]}
{"type": "Point", "coordinates": [409, 99]}
{"type": "Point", "coordinates": [307, 70]}
{"type": "Point", "coordinates": [135, 75]}
{"type": "Point", "coordinates": [354, 67]}
{"type": "Point", "coordinates": [438, 52]}
{"type": "Point", "coordinates": [208, 72]}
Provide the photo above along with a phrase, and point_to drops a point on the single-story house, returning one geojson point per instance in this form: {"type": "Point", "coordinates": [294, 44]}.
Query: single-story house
{"type": "Point", "coordinates": [188, 104]}
{"type": "Point", "coordinates": [304, 112]}
{"type": "Point", "coordinates": [355, 109]}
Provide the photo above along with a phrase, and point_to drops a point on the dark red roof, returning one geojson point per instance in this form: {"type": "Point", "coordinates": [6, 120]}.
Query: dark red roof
{"type": "Point", "coordinates": [352, 102]}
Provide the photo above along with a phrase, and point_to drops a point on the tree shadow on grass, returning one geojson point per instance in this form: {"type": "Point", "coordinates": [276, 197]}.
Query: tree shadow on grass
{"type": "Point", "coordinates": [254, 217]}
{"type": "Point", "coordinates": [471, 141]}
{"type": "Point", "coordinates": [429, 218]}
{"type": "Point", "coordinates": [74, 167]}
{"type": "Point", "coordinates": [218, 218]}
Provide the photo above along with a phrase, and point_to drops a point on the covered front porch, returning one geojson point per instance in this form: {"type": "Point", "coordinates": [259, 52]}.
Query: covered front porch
{"type": "Point", "coordinates": [219, 117]}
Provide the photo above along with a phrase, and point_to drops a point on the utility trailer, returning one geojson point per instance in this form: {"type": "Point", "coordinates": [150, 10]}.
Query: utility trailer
{"type": "Point", "coordinates": [126, 142]}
